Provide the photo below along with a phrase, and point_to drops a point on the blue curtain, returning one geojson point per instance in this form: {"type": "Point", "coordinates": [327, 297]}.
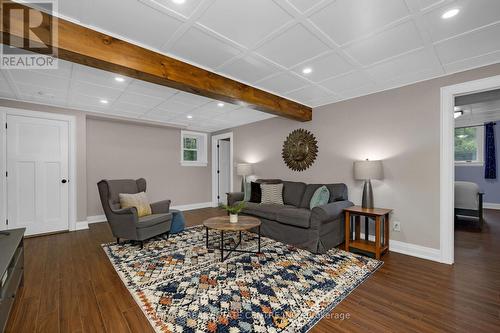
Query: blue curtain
{"type": "Point", "coordinates": [490, 166]}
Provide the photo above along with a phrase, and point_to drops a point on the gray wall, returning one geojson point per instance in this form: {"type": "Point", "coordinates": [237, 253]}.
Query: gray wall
{"type": "Point", "coordinates": [116, 148]}
{"type": "Point", "coordinates": [128, 150]}
{"type": "Point", "coordinates": [399, 126]}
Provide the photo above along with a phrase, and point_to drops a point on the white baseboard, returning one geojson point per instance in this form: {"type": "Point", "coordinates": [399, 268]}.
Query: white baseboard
{"type": "Point", "coordinates": [102, 218]}
{"type": "Point", "coordinates": [193, 206]}
{"type": "Point", "coordinates": [411, 249]}
{"type": "Point", "coordinates": [81, 225]}
{"type": "Point", "coordinates": [491, 205]}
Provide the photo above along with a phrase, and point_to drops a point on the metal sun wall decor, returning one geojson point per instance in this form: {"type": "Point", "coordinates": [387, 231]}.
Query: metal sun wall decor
{"type": "Point", "coordinates": [300, 150]}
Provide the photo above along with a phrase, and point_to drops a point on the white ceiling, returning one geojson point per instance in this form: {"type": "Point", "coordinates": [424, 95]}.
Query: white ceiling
{"type": "Point", "coordinates": [354, 47]}
{"type": "Point", "coordinates": [81, 87]}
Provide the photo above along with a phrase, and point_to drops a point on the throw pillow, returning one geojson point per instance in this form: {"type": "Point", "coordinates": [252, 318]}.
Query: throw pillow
{"type": "Point", "coordinates": [247, 191]}
{"type": "Point", "coordinates": [272, 194]}
{"type": "Point", "coordinates": [320, 197]}
{"type": "Point", "coordinates": [255, 192]}
{"type": "Point", "coordinates": [137, 200]}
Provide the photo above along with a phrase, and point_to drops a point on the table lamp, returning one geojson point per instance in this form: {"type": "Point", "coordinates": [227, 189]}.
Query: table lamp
{"type": "Point", "coordinates": [244, 169]}
{"type": "Point", "coordinates": [368, 170]}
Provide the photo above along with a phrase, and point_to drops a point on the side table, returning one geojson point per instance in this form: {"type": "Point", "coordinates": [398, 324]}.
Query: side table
{"type": "Point", "coordinates": [381, 243]}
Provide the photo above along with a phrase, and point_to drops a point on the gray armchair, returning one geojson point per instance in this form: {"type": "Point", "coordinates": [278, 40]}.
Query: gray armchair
{"type": "Point", "coordinates": [124, 222]}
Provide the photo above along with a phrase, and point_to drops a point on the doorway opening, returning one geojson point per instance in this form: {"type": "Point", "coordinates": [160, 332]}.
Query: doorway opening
{"type": "Point", "coordinates": [468, 113]}
{"type": "Point", "coordinates": [222, 167]}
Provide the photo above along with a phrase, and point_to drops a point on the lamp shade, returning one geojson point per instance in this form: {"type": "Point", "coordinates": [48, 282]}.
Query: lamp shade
{"type": "Point", "coordinates": [364, 170]}
{"type": "Point", "coordinates": [243, 169]}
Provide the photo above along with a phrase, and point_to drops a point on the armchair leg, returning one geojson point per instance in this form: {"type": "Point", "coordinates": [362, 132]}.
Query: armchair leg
{"type": "Point", "coordinates": [168, 234]}
{"type": "Point", "coordinates": [117, 240]}
{"type": "Point", "coordinates": [142, 245]}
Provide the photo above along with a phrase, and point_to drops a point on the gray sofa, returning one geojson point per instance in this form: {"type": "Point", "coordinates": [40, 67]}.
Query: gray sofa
{"type": "Point", "coordinates": [124, 222]}
{"type": "Point", "coordinates": [316, 230]}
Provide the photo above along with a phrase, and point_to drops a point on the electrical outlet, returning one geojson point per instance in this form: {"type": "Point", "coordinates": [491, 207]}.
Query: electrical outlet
{"type": "Point", "coordinates": [396, 226]}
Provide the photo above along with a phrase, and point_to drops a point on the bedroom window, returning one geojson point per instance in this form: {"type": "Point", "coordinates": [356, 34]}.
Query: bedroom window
{"type": "Point", "coordinates": [193, 148]}
{"type": "Point", "coordinates": [469, 142]}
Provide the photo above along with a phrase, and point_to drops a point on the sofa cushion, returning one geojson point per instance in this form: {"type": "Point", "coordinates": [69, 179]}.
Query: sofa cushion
{"type": "Point", "coordinates": [265, 211]}
{"type": "Point", "coordinates": [293, 192]}
{"type": "Point", "coordinates": [272, 194]}
{"type": "Point", "coordinates": [299, 217]}
{"type": "Point", "coordinates": [154, 219]}
{"type": "Point", "coordinates": [320, 197]}
{"type": "Point", "coordinates": [338, 192]}
{"type": "Point", "coordinates": [255, 190]}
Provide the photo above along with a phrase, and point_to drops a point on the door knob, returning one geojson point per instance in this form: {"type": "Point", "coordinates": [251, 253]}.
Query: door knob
{"type": "Point", "coordinates": [64, 181]}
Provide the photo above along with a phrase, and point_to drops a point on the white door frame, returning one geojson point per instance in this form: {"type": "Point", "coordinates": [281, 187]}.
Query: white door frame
{"type": "Point", "coordinates": [71, 163]}
{"type": "Point", "coordinates": [447, 151]}
{"type": "Point", "coordinates": [216, 138]}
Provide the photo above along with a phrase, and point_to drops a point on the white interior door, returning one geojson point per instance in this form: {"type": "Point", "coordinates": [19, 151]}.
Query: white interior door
{"type": "Point", "coordinates": [37, 181]}
{"type": "Point", "coordinates": [224, 165]}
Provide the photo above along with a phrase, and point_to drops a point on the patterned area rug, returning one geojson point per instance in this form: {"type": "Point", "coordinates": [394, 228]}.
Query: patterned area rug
{"type": "Point", "coordinates": [183, 287]}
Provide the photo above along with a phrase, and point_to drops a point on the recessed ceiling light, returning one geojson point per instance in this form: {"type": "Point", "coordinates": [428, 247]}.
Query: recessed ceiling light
{"type": "Point", "coordinates": [189, 117]}
{"type": "Point", "coordinates": [119, 79]}
{"type": "Point", "coordinates": [104, 101]}
{"type": "Point", "coordinates": [221, 105]}
{"type": "Point", "coordinates": [450, 13]}
{"type": "Point", "coordinates": [307, 70]}
{"type": "Point", "coordinates": [178, 2]}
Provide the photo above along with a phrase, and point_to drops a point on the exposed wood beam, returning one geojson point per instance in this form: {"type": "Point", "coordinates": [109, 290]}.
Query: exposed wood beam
{"type": "Point", "coordinates": [88, 47]}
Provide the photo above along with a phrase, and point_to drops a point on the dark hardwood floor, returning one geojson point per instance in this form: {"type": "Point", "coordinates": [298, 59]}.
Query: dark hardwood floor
{"type": "Point", "coordinates": [70, 286]}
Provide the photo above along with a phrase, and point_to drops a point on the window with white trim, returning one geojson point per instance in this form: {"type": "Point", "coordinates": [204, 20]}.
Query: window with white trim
{"type": "Point", "coordinates": [193, 148]}
{"type": "Point", "coordinates": [469, 145]}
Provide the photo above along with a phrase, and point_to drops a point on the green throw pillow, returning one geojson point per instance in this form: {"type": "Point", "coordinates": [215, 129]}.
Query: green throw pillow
{"type": "Point", "coordinates": [247, 190]}
{"type": "Point", "coordinates": [320, 197]}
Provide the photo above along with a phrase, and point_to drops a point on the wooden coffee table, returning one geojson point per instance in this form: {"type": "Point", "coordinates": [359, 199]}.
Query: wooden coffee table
{"type": "Point", "coordinates": [222, 224]}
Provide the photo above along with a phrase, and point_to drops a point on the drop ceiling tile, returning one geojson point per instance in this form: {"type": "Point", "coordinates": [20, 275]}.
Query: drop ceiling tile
{"type": "Point", "coordinates": [121, 107]}
{"type": "Point", "coordinates": [306, 94]}
{"type": "Point", "coordinates": [190, 99]}
{"type": "Point", "coordinates": [428, 3]}
{"type": "Point", "coordinates": [347, 82]}
{"type": "Point", "coordinates": [99, 77]}
{"type": "Point", "coordinates": [4, 85]}
{"type": "Point", "coordinates": [303, 5]}
{"type": "Point", "coordinates": [249, 69]}
{"type": "Point", "coordinates": [175, 106]}
{"type": "Point", "coordinates": [244, 22]}
{"type": "Point", "coordinates": [43, 93]}
{"type": "Point", "coordinates": [472, 15]}
{"type": "Point", "coordinates": [483, 60]}
{"type": "Point", "coordinates": [133, 20]}
{"type": "Point", "coordinates": [185, 9]}
{"type": "Point", "coordinates": [293, 46]}
{"type": "Point", "coordinates": [87, 103]}
{"type": "Point", "coordinates": [98, 92]}
{"type": "Point", "coordinates": [140, 100]}
{"type": "Point", "coordinates": [38, 79]}
{"type": "Point", "coordinates": [282, 83]}
{"type": "Point", "coordinates": [399, 39]}
{"type": "Point", "coordinates": [201, 48]}
{"type": "Point", "coordinates": [213, 109]}
{"type": "Point", "coordinates": [470, 45]}
{"type": "Point", "coordinates": [418, 61]}
{"type": "Point", "coordinates": [150, 89]}
{"type": "Point", "coordinates": [325, 67]}
{"type": "Point", "coordinates": [360, 91]}
{"type": "Point", "coordinates": [347, 20]}
{"type": "Point", "coordinates": [63, 70]}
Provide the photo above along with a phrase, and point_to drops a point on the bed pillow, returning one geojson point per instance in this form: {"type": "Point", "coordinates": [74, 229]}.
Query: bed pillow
{"type": "Point", "coordinates": [138, 200]}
